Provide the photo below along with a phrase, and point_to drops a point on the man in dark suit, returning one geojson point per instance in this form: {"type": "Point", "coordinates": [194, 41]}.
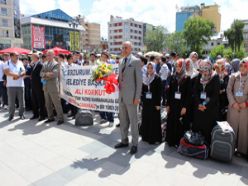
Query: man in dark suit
{"type": "Point", "coordinates": [130, 83]}
{"type": "Point", "coordinates": [38, 100]}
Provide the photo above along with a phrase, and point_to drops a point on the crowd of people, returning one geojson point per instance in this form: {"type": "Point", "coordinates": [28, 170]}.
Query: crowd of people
{"type": "Point", "coordinates": [194, 92]}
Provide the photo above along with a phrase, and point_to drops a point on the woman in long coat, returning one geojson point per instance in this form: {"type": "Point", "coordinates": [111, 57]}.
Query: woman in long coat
{"type": "Point", "coordinates": [206, 100]}
{"type": "Point", "coordinates": [150, 129]}
{"type": "Point", "coordinates": [178, 104]}
{"type": "Point", "coordinates": [237, 92]}
{"type": "Point", "coordinates": [220, 69]}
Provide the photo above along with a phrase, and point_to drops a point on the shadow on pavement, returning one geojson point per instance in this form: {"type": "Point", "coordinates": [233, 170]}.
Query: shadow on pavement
{"type": "Point", "coordinates": [205, 167]}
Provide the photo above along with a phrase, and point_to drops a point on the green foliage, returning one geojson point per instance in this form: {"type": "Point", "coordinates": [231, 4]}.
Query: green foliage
{"type": "Point", "coordinates": [227, 52]}
{"type": "Point", "coordinates": [155, 39]}
{"type": "Point", "coordinates": [197, 32]}
{"type": "Point", "coordinates": [240, 54]}
{"type": "Point", "coordinates": [218, 50]}
{"type": "Point", "coordinates": [235, 35]}
{"type": "Point", "coordinates": [176, 42]}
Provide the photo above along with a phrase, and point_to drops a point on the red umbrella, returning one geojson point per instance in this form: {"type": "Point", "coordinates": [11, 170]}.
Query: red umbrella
{"type": "Point", "coordinates": [18, 50]}
{"type": "Point", "coordinates": [58, 51]}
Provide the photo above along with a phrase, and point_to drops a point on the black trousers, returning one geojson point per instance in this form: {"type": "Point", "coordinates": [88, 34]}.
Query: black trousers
{"type": "Point", "coordinates": [38, 103]}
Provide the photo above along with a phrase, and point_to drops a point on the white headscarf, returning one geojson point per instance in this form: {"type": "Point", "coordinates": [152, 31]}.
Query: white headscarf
{"type": "Point", "coordinates": [148, 79]}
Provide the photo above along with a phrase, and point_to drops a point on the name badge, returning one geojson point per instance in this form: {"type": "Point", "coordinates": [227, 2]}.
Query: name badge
{"type": "Point", "coordinates": [177, 95]}
{"type": "Point", "coordinates": [148, 95]}
{"type": "Point", "coordinates": [239, 94]}
{"type": "Point", "coordinates": [203, 95]}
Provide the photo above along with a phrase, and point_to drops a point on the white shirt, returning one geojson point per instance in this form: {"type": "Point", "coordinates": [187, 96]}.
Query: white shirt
{"type": "Point", "coordinates": [15, 68]}
{"type": "Point", "coordinates": [1, 70]}
{"type": "Point", "coordinates": [144, 72]}
{"type": "Point", "coordinates": [164, 72]}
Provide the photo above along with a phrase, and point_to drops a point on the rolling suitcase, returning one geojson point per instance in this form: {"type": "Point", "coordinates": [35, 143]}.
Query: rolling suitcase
{"type": "Point", "coordinates": [223, 142]}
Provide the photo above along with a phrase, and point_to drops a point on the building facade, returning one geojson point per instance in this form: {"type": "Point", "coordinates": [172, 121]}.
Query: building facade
{"type": "Point", "coordinates": [10, 27]}
{"type": "Point", "coordinates": [121, 30]}
{"type": "Point", "coordinates": [51, 29]}
{"type": "Point", "coordinates": [183, 15]}
{"type": "Point", "coordinates": [211, 13]}
{"type": "Point", "coordinates": [92, 36]}
{"type": "Point", "coordinates": [245, 34]}
{"type": "Point", "coordinates": [215, 40]}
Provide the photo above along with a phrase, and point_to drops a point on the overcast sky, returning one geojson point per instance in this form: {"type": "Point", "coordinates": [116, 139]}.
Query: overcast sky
{"type": "Point", "coordinates": [156, 12]}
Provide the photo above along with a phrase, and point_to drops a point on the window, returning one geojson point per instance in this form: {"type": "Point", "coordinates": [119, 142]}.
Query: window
{"type": "Point", "coordinates": [212, 44]}
{"type": "Point", "coordinates": [131, 24]}
{"type": "Point", "coordinates": [120, 24]}
{"type": "Point", "coordinates": [3, 2]}
{"type": "Point", "coordinates": [4, 11]}
{"type": "Point", "coordinates": [131, 37]}
{"type": "Point", "coordinates": [131, 30]}
{"type": "Point", "coordinates": [140, 26]}
{"type": "Point", "coordinates": [120, 30]}
{"type": "Point", "coordinates": [5, 22]}
{"type": "Point", "coordinates": [139, 32]}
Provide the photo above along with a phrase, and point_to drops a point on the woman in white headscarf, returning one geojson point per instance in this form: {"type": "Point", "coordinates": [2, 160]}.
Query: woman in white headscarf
{"type": "Point", "coordinates": [178, 104]}
{"type": "Point", "coordinates": [237, 92]}
{"type": "Point", "coordinates": [206, 99]}
{"type": "Point", "coordinates": [150, 129]}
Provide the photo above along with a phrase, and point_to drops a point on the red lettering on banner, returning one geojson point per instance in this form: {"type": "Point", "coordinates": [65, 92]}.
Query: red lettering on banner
{"type": "Point", "coordinates": [78, 91]}
{"type": "Point", "coordinates": [87, 106]}
{"type": "Point", "coordinates": [94, 92]}
{"type": "Point", "coordinates": [72, 101]}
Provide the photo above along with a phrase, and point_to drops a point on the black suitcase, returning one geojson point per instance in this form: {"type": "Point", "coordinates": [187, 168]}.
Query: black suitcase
{"type": "Point", "coordinates": [84, 118]}
{"type": "Point", "coordinates": [223, 142]}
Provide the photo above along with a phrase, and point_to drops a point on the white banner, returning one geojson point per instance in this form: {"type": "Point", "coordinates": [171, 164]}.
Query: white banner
{"type": "Point", "coordinates": [78, 89]}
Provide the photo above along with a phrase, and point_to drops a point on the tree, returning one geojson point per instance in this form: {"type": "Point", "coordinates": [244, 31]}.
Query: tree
{"type": "Point", "coordinates": [218, 50]}
{"type": "Point", "coordinates": [226, 52]}
{"type": "Point", "coordinates": [235, 35]}
{"type": "Point", "coordinates": [197, 32]}
{"type": "Point", "coordinates": [176, 42]}
{"type": "Point", "coordinates": [155, 39]}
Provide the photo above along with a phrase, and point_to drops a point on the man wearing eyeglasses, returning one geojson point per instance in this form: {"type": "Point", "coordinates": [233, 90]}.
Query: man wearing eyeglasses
{"type": "Point", "coordinates": [130, 83]}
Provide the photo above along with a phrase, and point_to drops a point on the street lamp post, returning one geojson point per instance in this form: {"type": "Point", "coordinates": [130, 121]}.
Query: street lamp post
{"type": "Point", "coordinates": [74, 24]}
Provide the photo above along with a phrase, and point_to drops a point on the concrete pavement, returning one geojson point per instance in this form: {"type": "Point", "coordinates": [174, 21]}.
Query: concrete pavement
{"type": "Point", "coordinates": [40, 154]}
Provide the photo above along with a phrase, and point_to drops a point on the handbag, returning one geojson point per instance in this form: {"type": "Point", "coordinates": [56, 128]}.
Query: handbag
{"type": "Point", "coordinates": [194, 138]}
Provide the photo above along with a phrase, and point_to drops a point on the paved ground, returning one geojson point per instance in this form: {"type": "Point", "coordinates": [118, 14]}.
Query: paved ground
{"type": "Point", "coordinates": [38, 154]}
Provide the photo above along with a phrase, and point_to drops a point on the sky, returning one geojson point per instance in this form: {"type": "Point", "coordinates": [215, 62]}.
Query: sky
{"type": "Point", "coordinates": [156, 12]}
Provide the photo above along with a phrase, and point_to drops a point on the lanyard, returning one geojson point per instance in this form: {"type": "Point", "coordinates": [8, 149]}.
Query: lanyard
{"type": "Point", "coordinates": [240, 82]}
{"type": "Point", "coordinates": [203, 87]}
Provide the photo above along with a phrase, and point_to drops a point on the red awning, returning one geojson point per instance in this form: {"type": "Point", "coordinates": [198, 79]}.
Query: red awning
{"type": "Point", "coordinates": [58, 51]}
{"type": "Point", "coordinates": [13, 50]}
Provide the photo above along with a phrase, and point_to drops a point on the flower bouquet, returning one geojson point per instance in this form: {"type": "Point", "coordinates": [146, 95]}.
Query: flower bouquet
{"type": "Point", "coordinates": [104, 72]}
